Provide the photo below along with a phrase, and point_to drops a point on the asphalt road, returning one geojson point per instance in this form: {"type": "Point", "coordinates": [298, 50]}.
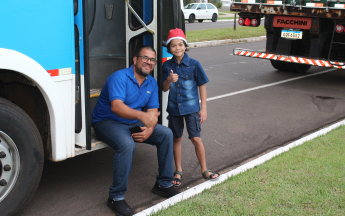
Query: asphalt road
{"type": "Point", "coordinates": [239, 127]}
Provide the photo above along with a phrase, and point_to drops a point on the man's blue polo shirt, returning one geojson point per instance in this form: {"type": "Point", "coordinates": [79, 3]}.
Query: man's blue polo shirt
{"type": "Point", "coordinates": [183, 94]}
{"type": "Point", "coordinates": [124, 86]}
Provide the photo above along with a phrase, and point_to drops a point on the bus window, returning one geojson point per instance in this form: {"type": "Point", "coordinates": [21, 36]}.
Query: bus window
{"type": "Point", "coordinates": [139, 41]}
{"type": "Point", "coordinates": [144, 8]}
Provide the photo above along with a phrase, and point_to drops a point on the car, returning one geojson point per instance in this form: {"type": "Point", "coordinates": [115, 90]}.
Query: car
{"type": "Point", "coordinates": [200, 12]}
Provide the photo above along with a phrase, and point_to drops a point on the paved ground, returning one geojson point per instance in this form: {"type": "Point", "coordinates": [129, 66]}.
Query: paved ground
{"type": "Point", "coordinates": [238, 128]}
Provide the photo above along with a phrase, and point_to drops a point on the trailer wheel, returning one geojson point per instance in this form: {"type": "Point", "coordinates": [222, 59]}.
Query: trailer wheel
{"type": "Point", "coordinates": [191, 18]}
{"type": "Point", "coordinates": [21, 158]}
{"type": "Point", "coordinates": [299, 68]}
{"type": "Point", "coordinates": [279, 65]}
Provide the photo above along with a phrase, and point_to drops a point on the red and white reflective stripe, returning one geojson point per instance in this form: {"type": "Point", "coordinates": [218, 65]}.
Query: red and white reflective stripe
{"type": "Point", "coordinates": [339, 5]}
{"type": "Point", "coordinates": [274, 2]}
{"type": "Point", "coordinates": [301, 60]}
{"type": "Point", "coordinates": [60, 72]}
{"type": "Point", "coordinates": [314, 4]}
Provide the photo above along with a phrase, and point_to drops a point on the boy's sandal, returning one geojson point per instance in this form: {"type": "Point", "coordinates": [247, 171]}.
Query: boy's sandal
{"type": "Point", "coordinates": [210, 177]}
{"type": "Point", "coordinates": [178, 180]}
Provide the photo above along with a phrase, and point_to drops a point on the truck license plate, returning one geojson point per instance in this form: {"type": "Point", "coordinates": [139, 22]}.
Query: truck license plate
{"type": "Point", "coordinates": [291, 34]}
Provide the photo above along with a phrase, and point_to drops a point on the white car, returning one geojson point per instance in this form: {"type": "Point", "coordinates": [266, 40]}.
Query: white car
{"type": "Point", "coordinates": [200, 11]}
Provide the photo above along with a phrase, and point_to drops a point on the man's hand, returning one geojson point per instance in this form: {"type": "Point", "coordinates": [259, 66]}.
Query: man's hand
{"type": "Point", "coordinates": [149, 119]}
{"type": "Point", "coordinates": [203, 115]}
{"type": "Point", "coordinates": [142, 136]}
{"type": "Point", "coordinates": [172, 77]}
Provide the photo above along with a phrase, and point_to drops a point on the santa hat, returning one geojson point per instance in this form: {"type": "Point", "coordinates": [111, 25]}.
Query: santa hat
{"type": "Point", "coordinates": [176, 34]}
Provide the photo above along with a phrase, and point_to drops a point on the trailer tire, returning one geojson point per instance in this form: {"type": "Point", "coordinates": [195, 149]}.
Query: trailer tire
{"type": "Point", "coordinates": [279, 65]}
{"type": "Point", "coordinates": [191, 18]}
{"type": "Point", "coordinates": [21, 158]}
{"type": "Point", "coordinates": [299, 68]}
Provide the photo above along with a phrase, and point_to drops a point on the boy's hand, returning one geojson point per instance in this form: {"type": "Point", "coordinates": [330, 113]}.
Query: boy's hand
{"type": "Point", "coordinates": [172, 77]}
{"type": "Point", "coordinates": [203, 115]}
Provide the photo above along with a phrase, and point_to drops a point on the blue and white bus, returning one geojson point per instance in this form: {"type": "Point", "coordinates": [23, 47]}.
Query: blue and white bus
{"type": "Point", "coordinates": [55, 57]}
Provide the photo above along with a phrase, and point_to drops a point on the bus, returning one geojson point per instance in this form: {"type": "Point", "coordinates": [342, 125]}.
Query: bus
{"type": "Point", "coordinates": [55, 57]}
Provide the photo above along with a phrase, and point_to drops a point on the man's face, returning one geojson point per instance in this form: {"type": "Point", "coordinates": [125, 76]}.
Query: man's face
{"type": "Point", "coordinates": [144, 68]}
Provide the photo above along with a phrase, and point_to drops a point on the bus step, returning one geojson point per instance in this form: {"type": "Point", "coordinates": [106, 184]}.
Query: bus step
{"type": "Point", "coordinates": [94, 93]}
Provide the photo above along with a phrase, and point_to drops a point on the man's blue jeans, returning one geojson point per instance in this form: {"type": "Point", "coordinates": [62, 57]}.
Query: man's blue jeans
{"type": "Point", "coordinates": [118, 136]}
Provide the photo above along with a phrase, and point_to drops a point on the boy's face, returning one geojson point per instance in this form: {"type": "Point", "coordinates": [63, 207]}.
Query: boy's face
{"type": "Point", "coordinates": [177, 47]}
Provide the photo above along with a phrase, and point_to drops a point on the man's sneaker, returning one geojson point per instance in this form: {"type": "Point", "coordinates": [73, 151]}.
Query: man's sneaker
{"type": "Point", "coordinates": [121, 208]}
{"type": "Point", "coordinates": [164, 192]}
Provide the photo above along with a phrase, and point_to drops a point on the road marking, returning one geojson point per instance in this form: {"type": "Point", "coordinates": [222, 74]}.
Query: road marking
{"type": "Point", "coordinates": [223, 177]}
{"type": "Point", "coordinates": [267, 85]}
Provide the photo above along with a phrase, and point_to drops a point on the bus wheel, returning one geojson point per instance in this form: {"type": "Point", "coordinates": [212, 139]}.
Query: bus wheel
{"type": "Point", "coordinates": [279, 65]}
{"type": "Point", "coordinates": [21, 158]}
{"type": "Point", "coordinates": [299, 68]}
{"type": "Point", "coordinates": [191, 18]}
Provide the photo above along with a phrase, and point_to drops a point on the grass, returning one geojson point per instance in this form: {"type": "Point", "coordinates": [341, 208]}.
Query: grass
{"type": "Point", "coordinates": [221, 18]}
{"type": "Point", "coordinates": [307, 180]}
{"type": "Point", "coordinates": [224, 33]}
{"type": "Point", "coordinates": [225, 11]}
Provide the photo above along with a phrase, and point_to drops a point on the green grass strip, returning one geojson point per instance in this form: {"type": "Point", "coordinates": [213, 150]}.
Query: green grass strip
{"type": "Point", "coordinates": [307, 180]}
{"type": "Point", "coordinates": [224, 18]}
{"type": "Point", "coordinates": [225, 33]}
{"type": "Point", "coordinates": [225, 11]}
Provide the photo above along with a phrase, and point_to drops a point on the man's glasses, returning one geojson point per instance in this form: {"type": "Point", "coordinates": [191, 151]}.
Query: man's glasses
{"type": "Point", "coordinates": [147, 59]}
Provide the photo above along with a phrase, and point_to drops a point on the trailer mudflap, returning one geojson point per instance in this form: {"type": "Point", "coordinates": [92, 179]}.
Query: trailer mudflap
{"type": "Point", "coordinates": [289, 58]}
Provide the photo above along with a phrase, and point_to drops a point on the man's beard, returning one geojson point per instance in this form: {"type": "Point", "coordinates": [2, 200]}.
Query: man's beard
{"type": "Point", "coordinates": [140, 71]}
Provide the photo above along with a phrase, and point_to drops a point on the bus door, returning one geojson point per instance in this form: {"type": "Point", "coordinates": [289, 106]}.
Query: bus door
{"type": "Point", "coordinates": [148, 23]}
{"type": "Point", "coordinates": [112, 31]}
{"type": "Point", "coordinates": [172, 17]}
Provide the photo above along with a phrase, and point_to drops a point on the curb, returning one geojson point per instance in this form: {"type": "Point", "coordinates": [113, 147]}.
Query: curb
{"type": "Point", "coordinates": [223, 42]}
{"type": "Point", "coordinates": [208, 184]}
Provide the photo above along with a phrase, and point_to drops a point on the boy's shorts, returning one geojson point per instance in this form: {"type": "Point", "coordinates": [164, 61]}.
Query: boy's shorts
{"type": "Point", "coordinates": [192, 122]}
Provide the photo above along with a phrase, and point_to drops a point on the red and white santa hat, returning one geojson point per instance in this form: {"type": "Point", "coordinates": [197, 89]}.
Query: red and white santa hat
{"type": "Point", "coordinates": [176, 34]}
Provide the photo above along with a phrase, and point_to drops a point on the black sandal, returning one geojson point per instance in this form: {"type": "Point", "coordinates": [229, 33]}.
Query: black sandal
{"type": "Point", "coordinates": [210, 177]}
{"type": "Point", "coordinates": [178, 180]}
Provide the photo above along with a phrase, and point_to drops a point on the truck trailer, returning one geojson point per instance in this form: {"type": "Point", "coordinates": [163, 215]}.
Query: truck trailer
{"type": "Point", "coordinates": [299, 33]}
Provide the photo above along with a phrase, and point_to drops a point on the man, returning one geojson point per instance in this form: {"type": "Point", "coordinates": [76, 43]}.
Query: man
{"type": "Point", "coordinates": [119, 108]}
